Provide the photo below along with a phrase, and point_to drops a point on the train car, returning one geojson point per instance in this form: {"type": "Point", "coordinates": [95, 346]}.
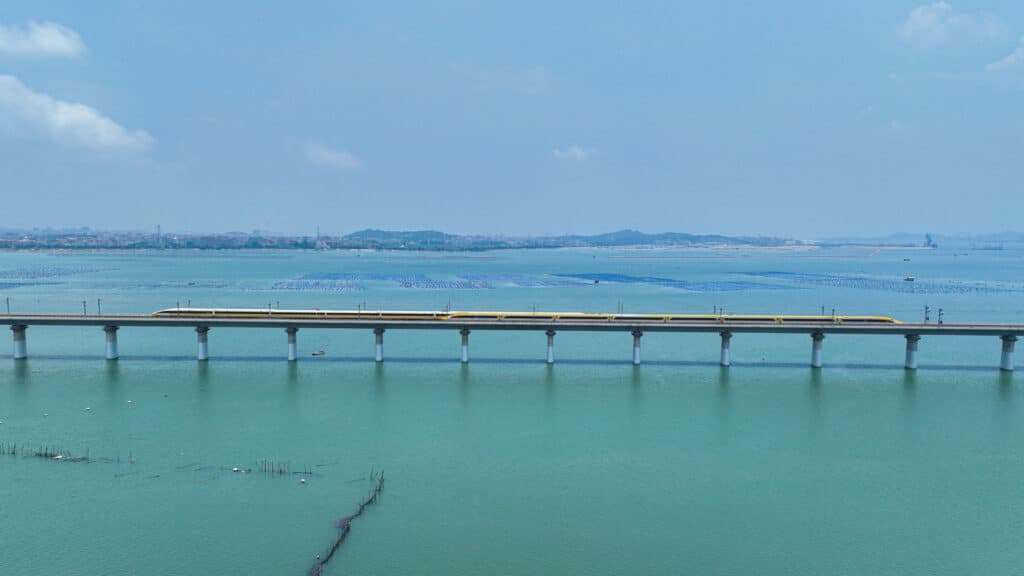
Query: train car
{"type": "Point", "coordinates": [298, 314]}
{"type": "Point", "coordinates": [520, 316]}
{"type": "Point", "coordinates": [433, 315]}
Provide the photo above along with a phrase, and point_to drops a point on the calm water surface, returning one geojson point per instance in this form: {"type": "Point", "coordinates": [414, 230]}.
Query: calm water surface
{"type": "Point", "coordinates": [508, 465]}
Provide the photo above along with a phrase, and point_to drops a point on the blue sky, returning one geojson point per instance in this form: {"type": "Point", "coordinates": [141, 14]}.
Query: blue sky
{"type": "Point", "coordinates": [805, 119]}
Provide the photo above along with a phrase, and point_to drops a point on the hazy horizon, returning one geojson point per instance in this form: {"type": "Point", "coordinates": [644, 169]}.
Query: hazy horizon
{"type": "Point", "coordinates": [902, 237]}
{"type": "Point", "coordinates": [815, 121]}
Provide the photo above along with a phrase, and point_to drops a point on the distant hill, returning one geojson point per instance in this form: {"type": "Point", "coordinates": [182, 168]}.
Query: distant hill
{"type": "Point", "coordinates": [368, 239]}
{"type": "Point", "coordinates": [434, 240]}
{"type": "Point", "coordinates": [637, 238]}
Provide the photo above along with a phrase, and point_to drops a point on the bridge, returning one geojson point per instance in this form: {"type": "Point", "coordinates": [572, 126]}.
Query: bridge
{"type": "Point", "coordinates": [636, 325]}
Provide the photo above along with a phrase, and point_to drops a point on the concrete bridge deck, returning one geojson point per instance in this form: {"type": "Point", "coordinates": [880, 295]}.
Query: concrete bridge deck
{"type": "Point", "coordinates": [1008, 333]}
{"type": "Point", "coordinates": [370, 322]}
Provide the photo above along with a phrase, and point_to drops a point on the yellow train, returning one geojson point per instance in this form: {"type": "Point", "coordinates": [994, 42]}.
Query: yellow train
{"type": "Point", "coordinates": [421, 315]}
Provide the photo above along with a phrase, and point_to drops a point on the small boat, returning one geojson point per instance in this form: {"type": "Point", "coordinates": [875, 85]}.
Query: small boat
{"type": "Point", "coordinates": [319, 353]}
{"type": "Point", "coordinates": [908, 279]}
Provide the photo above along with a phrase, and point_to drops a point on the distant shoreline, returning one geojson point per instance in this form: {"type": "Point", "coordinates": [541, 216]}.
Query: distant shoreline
{"type": "Point", "coordinates": [469, 252]}
{"type": "Point", "coordinates": [423, 240]}
{"type": "Point", "coordinates": [412, 241]}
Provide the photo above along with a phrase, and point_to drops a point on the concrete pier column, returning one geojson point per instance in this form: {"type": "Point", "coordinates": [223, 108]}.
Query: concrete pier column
{"type": "Point", "coordinates": [551, 346]}
{"type": "Point", "coordinates": [378, 335]}
{"type": "Point", "coordinates": [911, 361]}
{"type": "Point", "coordinates": [293, 349]}
{"type": "Point", "coordinates": [203, 352]}
{"type": "Point", "coordinates": [636, 347]}
{"type": "Point", "coordinates": [726, 338]}
{"type": "Point", "coordinates": [20, 347]}
{"type": "Point", "coordinates": [1006, 360]}
{"type": "Point", "coordinates": [816, 339]}
{"type": "Point", "coordinates": [111, 332]}
{"type": "Point", "coordinates": [465, 345]}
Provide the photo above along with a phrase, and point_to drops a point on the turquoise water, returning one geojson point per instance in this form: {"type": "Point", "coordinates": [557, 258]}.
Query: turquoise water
{"type": "Point", "coordinates": [508, 465]}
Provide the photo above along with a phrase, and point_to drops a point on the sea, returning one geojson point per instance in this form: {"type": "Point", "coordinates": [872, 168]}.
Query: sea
{"type": "Point", "coordinates": [506, 465]}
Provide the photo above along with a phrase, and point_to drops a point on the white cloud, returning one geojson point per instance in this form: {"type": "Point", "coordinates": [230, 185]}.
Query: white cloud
{"type": "Point", "coordinates": [1010, 60]}
{"type": "Point", "coordinates": [930, 25]}
{"type": "Point", "coordinates": [41, 39]}
{"type": "Point", "coordinates": [330, 158]}
{"type": "Point", "coordinates": [66, 122]}
{"type": "Point", "coordinates": [573, 152]}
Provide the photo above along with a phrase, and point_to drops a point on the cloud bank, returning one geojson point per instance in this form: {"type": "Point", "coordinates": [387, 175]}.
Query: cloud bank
{"type": "Point", "coordinates": [931, 25]}
{"type": "Point", "coordinates": [1010, 60]}
{"type": "Point", "coordinates": [41, 39]}
{"type": "Point", "coordinates": [69, 123]}
{"type": "Point", "coordinates": [323, 156]}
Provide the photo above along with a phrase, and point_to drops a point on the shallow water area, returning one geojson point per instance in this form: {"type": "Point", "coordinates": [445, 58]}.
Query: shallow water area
{"type": "Point", "coordinates": [508, 465]}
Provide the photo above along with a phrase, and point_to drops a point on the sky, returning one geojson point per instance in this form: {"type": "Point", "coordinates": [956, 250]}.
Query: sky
{"type": "Point", "coordinates": [797, 119]}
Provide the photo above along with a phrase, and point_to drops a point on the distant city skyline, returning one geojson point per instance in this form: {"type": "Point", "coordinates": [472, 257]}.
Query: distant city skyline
{"type": "Point", "coordinates": [800, 120]}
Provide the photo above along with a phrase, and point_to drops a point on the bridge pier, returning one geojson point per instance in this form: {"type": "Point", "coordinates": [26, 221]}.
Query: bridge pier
{"type": "Point", "coordinates": [20, 347]}
{"type": "Point", "coordinates": [726, 338]}
{"type": "Point", "coordinates": [1006, 360]}
{"type": "Point", "coordinates": [911, 360]}
{"type": "Point", "coordinates": [293, 349]}
{"type": "Point", "coordinates": [111, 333]}
{"type": "Point", "coordinates": [378, 336]}
{"type": "Point", "coordinates": [551, 346]}
{"type": "Point", "coordinates": [636, 347]}
{"type": "Point", "coordinates": [816, 340]}
{"type": "Point", "coordinates": [465, 345]}
{"type": "Point", "coordinates": [203, 351]}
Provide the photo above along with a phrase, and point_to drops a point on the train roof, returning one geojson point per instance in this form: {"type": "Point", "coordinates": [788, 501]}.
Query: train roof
{"type": "Point", "coordinates": [299, 311]}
